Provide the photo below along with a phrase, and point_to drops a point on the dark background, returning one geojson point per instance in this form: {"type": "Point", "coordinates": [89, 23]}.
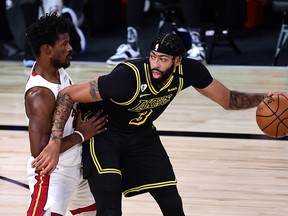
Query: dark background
{"type": "Point", "coordinates": [105, 30]}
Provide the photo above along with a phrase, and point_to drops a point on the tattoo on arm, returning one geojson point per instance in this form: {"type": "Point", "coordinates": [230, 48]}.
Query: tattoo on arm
{"type": "Point", "coordinates": [94, 90]}
{"type": "Point", "coordinates": [55, 135]}
{"type": "Point", "coordinates": [62, 112]}
{"type": "Point", "coordinates": [241, 100]}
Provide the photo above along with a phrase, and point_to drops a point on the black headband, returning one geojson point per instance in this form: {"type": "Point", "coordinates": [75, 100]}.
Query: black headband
{"type": "Point", "coordinates": [169, 44]}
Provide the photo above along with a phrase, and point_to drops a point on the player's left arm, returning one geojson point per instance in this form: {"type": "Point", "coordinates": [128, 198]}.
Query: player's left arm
{"type": "Point", "coordinates": [231, 100]}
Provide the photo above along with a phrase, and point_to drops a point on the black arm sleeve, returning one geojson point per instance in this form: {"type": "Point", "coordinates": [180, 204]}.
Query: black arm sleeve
{"type": "Point", "coordinates": [119, 84]}
{"type": "Point", "coordinates": [195, 74]}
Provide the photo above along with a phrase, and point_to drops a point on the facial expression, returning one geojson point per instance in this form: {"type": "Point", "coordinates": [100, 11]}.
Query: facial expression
{"type": "Point", "coordinates": [162, 66]}
{"type": "Point", "coordinates": [61, 54]}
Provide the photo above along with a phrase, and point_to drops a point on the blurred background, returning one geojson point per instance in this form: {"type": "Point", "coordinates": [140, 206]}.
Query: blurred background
{"type": "Point", "coordinates": [104, 27]}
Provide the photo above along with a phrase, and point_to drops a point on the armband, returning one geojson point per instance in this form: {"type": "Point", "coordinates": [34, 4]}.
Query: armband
{"type": "Point", "coordinates": [80, 134]}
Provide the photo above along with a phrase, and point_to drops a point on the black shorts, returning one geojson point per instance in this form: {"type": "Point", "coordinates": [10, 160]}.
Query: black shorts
{"type": "Point", "coordinates": [132, 162]}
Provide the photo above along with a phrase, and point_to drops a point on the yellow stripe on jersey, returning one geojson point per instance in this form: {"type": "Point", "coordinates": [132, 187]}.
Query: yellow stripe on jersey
{"type": "Point", "coordinates": [138, 82]}
{"type": "Point", "coordinates": [150, 186]}
{"type": "Point", "coordinates": [38, 195]}
{"type": "Point", "coordinates": [97, 164]}
{"type": "Point", "coordinates": [181, 82]}
{"type": "Point", "coordinates": [149, 82]}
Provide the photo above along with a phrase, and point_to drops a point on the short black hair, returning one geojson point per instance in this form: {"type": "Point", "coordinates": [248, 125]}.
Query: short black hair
{"type": "Point", "coordinates": [170, 44]}
{"type": "Point", "coordinates": [46, 31]}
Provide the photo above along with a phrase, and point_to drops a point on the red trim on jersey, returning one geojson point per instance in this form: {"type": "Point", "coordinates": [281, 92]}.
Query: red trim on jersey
{"type": "Point", "coordinates": [34, 73]}
{"type": "Point", "coordinates": [39, 196]}
{"type": "Point", "coordinates": [85, 209]}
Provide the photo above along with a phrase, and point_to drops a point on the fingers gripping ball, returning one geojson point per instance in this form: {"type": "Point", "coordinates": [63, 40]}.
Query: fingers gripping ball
{"type": "Point", "coordinates": [272, 116]}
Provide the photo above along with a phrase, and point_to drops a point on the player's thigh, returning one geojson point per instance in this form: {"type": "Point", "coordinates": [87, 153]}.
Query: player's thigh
{"type": "Point", "coordinates": [82, 197]}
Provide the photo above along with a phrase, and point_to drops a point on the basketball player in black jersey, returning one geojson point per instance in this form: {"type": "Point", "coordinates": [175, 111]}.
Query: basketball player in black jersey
{"type": "Point", "coordinates": [129, 157]}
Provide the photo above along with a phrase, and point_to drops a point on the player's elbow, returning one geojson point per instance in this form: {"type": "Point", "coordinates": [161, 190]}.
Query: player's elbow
{"type": "Point", "coordinates": [226, 106]}
{"type": "Point", "coordinates": [225, 103]}
{"type": "Point", "coordinates": [66, 95]}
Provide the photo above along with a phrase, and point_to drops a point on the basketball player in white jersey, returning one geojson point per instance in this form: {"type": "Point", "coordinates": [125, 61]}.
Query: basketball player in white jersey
{"type": "Point", "coordinates": [64, 188]}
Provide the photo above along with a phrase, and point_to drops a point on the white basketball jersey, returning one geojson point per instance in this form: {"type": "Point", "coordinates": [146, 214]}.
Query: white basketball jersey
{"type": "Point", "coordinates": [72, 156]}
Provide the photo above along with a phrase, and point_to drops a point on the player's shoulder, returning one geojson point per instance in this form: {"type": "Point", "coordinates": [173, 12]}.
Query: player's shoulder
{"type": "Point", "coordinates": [192, 64]}
{"type": "Point", "coordinates": [39, 91]}
{"type": "Point", "coordinates": [39, 98]}
{"type": "Point", "coordinates": [129, 66]}
{"type": "Point", "coordinates": [189, 61]}
{"type": "Point", "coordinates": [134, 62]}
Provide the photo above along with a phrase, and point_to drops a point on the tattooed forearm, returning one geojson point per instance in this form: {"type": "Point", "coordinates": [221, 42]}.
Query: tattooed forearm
{"type": "Point", "coordinates": [94, 91]}
{"type": "Point", "coordinates": [62, 112]}
{"type": "Point", "coordinates": [241, 100]}
{"type": "Point", "coordinates": [56, 135]}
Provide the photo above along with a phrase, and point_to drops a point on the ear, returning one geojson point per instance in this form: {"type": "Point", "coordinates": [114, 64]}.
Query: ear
{"type": "Point", "coordinates": [46, 49]}
{"type": "Point", "coordinates": [178, 60]}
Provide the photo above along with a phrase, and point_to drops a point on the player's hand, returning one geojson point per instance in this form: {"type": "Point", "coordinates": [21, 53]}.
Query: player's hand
{"type": "Point", "coordinates": [285, 94]}
{"type": "Point", "coordinates": [48, 159]}
{"type": "Point", "coordinates": [95, 125]}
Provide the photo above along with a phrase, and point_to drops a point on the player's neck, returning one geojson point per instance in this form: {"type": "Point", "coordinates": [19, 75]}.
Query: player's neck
{"type": "Point", "coordinates": [49, 73]}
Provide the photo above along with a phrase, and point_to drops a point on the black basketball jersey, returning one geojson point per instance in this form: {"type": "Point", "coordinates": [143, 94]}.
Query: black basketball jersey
{"type": "Point", "coordinates": [148, 102]}
{"type": "Point", "coordinates": [133, 102]}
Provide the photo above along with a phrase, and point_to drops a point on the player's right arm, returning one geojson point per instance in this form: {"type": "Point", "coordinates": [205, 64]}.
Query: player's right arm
{"type": "Point", "coordinates": [39, 107]}
{"type": "Point", "coordinates": [82, 92]}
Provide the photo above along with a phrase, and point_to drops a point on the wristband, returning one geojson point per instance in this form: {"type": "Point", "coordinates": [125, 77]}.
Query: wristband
{"type": "Point", "coordinates": [80, 134]}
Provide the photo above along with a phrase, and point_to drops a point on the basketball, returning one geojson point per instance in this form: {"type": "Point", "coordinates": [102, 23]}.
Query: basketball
{"type": "Point", "coordinates": [272, 116]}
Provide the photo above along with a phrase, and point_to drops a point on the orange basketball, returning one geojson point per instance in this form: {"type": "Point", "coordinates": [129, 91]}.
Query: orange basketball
{"type": "Point", "coordinates": [272, 116]}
